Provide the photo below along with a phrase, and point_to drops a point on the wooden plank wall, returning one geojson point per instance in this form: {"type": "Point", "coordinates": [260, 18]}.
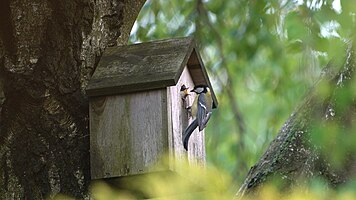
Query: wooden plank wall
{"type": "Point", "coordinates": [128, 133]}
{"type": "Point", "coordinates": [180, 120]}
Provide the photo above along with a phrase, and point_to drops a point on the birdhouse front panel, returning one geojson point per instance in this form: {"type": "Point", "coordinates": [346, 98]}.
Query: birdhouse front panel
{"type": "Point", "coordinates": [180, 117]}
{"type": "Point", "coordinates": [128, 133]}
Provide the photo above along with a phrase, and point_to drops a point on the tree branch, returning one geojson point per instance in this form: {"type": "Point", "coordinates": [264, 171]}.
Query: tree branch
{"type": "Point", "coordinates": [228, 87]}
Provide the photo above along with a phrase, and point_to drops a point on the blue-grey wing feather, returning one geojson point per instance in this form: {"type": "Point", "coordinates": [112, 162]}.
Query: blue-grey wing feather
{"type": "Point", "coordinates": [202, 112]}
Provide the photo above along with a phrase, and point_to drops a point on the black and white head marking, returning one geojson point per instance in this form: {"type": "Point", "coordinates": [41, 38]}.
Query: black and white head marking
{"type": "Point", "coordinates": [200, 89]}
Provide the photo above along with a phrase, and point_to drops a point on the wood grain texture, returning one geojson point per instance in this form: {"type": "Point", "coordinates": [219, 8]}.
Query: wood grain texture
{"type": "Point", "coordinates": [180, 120]}
{"type": "Point", "coordinates": [147, 66]}
{"type": "Point", "coordinates": [199, 74]}
{"type": "Point", "coordinates": [128, 133]}
{"type": "Point", "coordinates": [140, 67]}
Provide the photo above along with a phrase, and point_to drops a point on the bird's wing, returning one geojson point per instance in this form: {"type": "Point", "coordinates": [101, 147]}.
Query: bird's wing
{"type": "Point", "coordinates": [202, 112]}
{"type": "Point", "coordinates": [188, 132]}
{"type": "Point", "coordinates": [206, 119]}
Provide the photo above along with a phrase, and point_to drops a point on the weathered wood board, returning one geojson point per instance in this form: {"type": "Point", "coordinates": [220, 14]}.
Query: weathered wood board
{"type": "Point", "coordinates": [128, 133]}
{"type": "Point", "coordinates": [180, 119]}
{"type": "Point", "coordinates": [136, 111]}
{"type": "Point", "coordinates": [147, 66]}
{"type": "Point", "coordinates": [140, 67]}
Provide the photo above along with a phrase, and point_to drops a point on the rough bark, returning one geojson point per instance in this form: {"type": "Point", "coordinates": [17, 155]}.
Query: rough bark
{"type": "Point", "coordinates": [294, 157]}
{"type": "Point", "coordinates": [48, 51]}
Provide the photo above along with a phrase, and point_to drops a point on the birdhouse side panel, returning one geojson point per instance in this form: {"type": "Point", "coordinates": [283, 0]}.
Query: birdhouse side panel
{"type": "Point", "coordinates": [128, 133]}
{"type": "Point", "coordinates": [180, 118]}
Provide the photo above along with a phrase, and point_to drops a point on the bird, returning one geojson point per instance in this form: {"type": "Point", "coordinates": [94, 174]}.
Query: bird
{"type": "Point", "coordinates": [201, 110]}
{"type": "Point", "coordinates": [184, 92]}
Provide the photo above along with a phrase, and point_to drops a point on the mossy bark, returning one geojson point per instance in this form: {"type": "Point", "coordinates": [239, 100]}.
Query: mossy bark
{"type": "Point", "coordinates": [48, 51]}
{"type": "Point", "coordinates": [297, 155]}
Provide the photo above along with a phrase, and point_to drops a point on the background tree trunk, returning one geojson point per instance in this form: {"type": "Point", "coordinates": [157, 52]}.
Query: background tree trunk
{"type": "Point", "coordinates": [48, 51]}
{"type": "Point", "coordinates": [296, 155]}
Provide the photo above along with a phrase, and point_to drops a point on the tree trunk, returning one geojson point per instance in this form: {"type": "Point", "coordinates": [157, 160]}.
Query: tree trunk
{"type": "Point", "coordinates": [48, 51]}
{"type": "Point", "coordinates": [298, 153]}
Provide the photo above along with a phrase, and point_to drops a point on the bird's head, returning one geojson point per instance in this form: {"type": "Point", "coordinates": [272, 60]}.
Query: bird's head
{"type": "Point", "coordinates": [199, 89]}
{"type": "Point", "coordinates": [183, 88]}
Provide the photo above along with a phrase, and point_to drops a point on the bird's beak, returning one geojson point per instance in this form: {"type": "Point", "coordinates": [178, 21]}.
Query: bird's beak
{"type": "Point", "coordinates": [186, 91]}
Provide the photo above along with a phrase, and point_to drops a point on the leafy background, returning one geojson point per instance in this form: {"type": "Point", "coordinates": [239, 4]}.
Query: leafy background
{"type": "Point", "coordinates": [262, 57]}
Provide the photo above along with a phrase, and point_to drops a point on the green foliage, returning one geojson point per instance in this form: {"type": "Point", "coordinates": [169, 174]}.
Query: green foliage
{"type": "Point", "coordinates": [201, 183]}
{"type": "Point", "coordinates": [262, 57]}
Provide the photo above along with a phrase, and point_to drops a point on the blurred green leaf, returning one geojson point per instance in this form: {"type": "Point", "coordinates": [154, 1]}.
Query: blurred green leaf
{"type": "Point", "coordinates": [295, 27]}
{"type": "Point", "coordinates": [295, 46]}
{"type": "Point", "coordinates": [267, 54]}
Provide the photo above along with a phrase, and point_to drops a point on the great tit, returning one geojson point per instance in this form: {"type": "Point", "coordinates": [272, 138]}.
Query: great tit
{"type": "Point", "coordinates": [201, 111]}
{"type": "Point", "coordinates": [184, 92]}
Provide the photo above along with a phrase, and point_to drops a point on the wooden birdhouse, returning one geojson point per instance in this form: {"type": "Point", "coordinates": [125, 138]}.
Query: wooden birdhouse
{"type": "Point", "coordinates": [136, 110]}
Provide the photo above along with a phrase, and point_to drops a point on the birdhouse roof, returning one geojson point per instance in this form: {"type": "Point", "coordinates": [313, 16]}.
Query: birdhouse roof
{"type": "Point", "coordinates": [147, 66]}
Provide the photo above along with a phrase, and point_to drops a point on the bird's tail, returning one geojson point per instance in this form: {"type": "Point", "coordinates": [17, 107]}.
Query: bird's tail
{"type": "Point", "coordinates": [188, 132]}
